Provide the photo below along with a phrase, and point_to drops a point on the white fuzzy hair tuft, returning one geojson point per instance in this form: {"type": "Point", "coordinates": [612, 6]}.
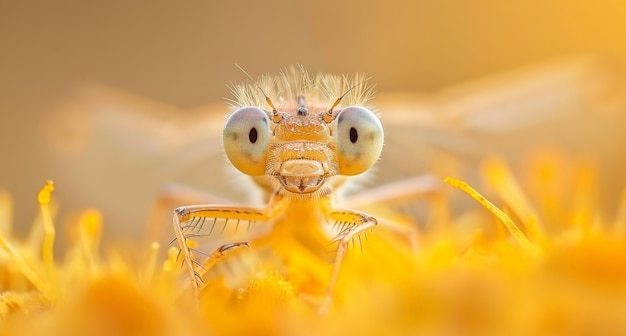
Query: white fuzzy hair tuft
{"type": "Point", "coordinates": [294, 81]}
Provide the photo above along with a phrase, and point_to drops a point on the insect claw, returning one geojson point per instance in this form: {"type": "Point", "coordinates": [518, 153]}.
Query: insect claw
{"type": "Point", "coordinates": [227, 247]}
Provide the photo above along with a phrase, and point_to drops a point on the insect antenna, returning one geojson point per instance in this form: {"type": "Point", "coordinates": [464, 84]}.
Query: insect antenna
{"type": "Point", "coordinates": [328, 116]}
{"type": "Point", "coordinates": [276, 118]}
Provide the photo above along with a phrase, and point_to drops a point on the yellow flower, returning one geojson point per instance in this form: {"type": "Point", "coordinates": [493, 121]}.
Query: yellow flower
{"type": "Point", "coordinates": [541, 262]}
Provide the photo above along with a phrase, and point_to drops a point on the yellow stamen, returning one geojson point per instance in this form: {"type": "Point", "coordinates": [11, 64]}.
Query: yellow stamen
{"type": "Point", "coordinates": [23, 266]}
{"type": "Point", "coordinates": [6, 213]}
{"type": "Point", "coordinates": [583, 189]}
{"type": "Point", "coordinates": [89, 238]}
{"type": "Point", "coordinates": [45, 194]}
{"type": "Point", "coordinates": [510, 225]}
{"type": "Point", "coordinates": [500, 178]}
{"type": "Point", "coordinates": [44, 197]}
{"type": "Point", "coordinates": [619, 226]}
{"type": "Point", "coordinates": [169, 265]}
{"type": "Point", "coordinates": [150, 269]}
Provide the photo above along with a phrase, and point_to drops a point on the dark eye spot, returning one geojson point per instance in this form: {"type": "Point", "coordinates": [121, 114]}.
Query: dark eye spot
{"type": "Point", "coordinates": [253, 135]}
{"type": "Point", "coordinates": [354, 136]}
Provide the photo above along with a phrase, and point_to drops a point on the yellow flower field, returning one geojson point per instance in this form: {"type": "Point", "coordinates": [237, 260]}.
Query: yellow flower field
{"type": "Point", "coordinates": [542, 261]}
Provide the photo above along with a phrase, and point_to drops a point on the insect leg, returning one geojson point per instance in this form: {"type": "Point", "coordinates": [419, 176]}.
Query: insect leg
{"type": "Point", "coordinates": [357, 223]}
{"type": "Point", "coordinates": [402, 197]}
{"type": "Point", "coordinates": [196, 222]}
{"type": "Point", "coordinates": [220, 252]}
{"type": "Point", "coordinates": [400, 191]}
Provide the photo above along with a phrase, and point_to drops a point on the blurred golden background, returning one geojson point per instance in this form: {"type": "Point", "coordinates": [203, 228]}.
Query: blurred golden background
{"type": "Point", "coordinates": [181, 56]}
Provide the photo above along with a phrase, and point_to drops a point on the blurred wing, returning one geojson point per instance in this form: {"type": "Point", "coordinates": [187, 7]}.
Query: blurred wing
{"type": "Point", "coordinates": [116, 151]}
{"type": "Point", "coordinates": [577, 106]}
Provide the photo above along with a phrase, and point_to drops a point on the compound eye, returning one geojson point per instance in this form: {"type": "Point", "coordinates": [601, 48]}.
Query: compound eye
{"type": "Point", "coordinates": [359, 140]}
{"type": "Point", "coordinates": [246, 138]}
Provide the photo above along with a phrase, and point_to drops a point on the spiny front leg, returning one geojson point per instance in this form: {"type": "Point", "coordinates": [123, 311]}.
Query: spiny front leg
{"type": "Point", "coordinates": [351, 225]}
{"type": "Point", "coordinates": [199, 222]}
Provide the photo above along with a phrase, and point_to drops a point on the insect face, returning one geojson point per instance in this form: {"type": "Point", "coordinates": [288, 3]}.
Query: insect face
{"type": "Point", "coordinates": [301, 151]}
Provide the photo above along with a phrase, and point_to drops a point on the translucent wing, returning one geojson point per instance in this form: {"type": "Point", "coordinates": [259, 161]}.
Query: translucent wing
{"type": "Point", "coordinates": [117, 151]}
{"type": "Point", "coordinates": [577, 106]}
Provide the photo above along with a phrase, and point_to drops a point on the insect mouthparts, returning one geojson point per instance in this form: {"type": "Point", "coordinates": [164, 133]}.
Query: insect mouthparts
{"type": "Point", "coordinates": [302, 175]}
